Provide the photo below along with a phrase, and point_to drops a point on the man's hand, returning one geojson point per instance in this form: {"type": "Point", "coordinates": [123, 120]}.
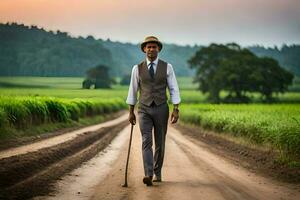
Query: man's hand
{"type": "Point", "coordinates": [132, 118]}
{"type": "Point", "coordinates": [174, 116]}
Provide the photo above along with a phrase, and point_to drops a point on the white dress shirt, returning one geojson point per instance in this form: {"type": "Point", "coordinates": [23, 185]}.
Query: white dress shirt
{"type": "Point", "coordinates": [171, 82]}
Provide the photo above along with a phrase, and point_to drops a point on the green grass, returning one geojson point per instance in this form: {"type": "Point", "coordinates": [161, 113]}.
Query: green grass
{"type": "Point", "coordinates": [277, 125]}
{"type": "Point", "coordinates": [21, 112]}
{"type": "Point", "coordinates": [28, 102]}
{"type": "Point", "coordinates": [70, 87]}
{"type": "Point", "coordinates": [41, 82]}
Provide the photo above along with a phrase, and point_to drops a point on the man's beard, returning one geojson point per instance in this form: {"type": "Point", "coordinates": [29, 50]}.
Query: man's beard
{"type": "Point", "coordinates": [152, 55]}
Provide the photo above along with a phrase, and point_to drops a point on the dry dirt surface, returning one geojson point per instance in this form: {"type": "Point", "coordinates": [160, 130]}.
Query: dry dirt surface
{"type": "Point", "coordinates": [191, 171]}
{"type": "Point", "coordinates": [29, 170]}
{"type": "Point", "coordinates": [260, 160]}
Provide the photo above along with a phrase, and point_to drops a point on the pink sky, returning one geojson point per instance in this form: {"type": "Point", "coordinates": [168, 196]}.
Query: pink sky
{"type": "Point", "coordinates": [266, 22]}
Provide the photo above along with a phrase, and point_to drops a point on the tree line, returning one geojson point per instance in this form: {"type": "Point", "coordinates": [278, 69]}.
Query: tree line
{"type": "Point", "coordinates": [30, 51]}
{"type": "Point", "coordinates": [33, 51]}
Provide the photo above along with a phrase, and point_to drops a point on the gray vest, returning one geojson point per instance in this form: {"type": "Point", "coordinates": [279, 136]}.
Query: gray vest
{"type": "Point", "coordinates": [153, 89]}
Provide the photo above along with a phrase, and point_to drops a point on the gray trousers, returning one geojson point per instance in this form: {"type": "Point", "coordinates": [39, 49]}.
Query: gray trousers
{"type": "Point", "coordinates": [153, 117]}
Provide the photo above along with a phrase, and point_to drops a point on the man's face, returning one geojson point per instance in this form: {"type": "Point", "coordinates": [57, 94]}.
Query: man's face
{"type": "Point", "coordinates": [151, 50]}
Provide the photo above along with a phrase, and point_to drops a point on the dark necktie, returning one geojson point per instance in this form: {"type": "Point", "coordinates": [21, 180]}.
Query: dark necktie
{"type": "Point", "coordinates": [151, 70]}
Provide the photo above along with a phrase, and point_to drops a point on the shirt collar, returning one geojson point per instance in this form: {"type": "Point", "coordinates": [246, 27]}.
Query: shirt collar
{"type": "Point", "coordinates": [155, 61]}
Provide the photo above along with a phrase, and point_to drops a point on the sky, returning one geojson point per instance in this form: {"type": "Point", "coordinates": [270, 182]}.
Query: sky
{"type": "Point", "coordinates": [247, 22]}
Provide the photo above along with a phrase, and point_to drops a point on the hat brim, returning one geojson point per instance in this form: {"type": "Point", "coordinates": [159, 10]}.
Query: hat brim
{"type": "Point", "coordinates": [154, 41]}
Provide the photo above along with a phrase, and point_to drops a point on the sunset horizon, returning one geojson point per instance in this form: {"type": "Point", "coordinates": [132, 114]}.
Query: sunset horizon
{"type": "Point", "coordinates": [268, 23]}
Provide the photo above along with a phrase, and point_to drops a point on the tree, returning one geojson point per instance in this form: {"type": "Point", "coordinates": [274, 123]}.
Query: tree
{"type": "Point", "coordinates": [238, 71]}
{"type": "Point", "coordinates": [125, 80]}
{"type": "Point", "coordinates": [100, 76]}
{"type": "Point", "coordinates": [273, 78]}
{"type": "Point", "coordinates": [206, 61]}
{"type": "Point", "coordinates": [87, 83]}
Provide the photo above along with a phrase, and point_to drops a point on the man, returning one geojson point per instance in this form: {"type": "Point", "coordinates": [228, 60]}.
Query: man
{"type": "Point", "coordinates": [151, 78]}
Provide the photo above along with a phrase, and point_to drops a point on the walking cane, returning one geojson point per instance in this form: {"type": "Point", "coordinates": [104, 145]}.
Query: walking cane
{"type": "Point", "coordinates": [125, 184]}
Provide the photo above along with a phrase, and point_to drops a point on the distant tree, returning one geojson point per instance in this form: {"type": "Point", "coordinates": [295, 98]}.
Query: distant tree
{"type": "Point", "coordinates": [90, 38]}
{"type": "Point", "coordinates": [206, 61]}
{"type": "Point", "coordinates": [100, 76]}
{"type": "Point", "coordinates": [87, 83]}
{"type": "Point", "coordinates": [287, 56]}
{"type": "Point", "coordinates": [238, 71]}
{"type": "Point", "coordinates": [125, 79]}
{"type": "Point", "coordinates": [114, 81]}
{"type": "Point", "coordinates": [273, 78]}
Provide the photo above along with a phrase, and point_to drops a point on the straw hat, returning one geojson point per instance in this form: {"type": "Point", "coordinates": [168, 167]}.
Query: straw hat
{"type": "Point", "coordinates": [151, 39]}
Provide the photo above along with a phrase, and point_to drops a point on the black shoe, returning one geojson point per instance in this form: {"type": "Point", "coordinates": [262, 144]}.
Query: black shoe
{"type": "Point", "coordinates": [157, 179]}
{"type": "Point", "coordinates": [147, 180]}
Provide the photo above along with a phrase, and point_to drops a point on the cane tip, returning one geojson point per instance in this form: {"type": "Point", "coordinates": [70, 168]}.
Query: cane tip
{"type": "Point", "coordinates": [124, 185]}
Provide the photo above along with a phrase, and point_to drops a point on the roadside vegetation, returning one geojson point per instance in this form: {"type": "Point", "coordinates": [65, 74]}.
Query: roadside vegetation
{"type": "Point", "coordinates": [24, 112]}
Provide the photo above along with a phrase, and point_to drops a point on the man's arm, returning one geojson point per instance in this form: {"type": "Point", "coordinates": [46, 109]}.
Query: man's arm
{"type": "Point", "coordinates": [132, 94]}
{"type": "Point", "coordinates": [174, 93]}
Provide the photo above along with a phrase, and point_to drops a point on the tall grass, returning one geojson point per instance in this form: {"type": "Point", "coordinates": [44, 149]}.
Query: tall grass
{"type": "Point", "coordinates": [278, 125]}
{"type": "Point", "coordinates": [21, 112]}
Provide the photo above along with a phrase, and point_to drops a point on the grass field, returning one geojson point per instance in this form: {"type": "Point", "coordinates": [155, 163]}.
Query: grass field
{"type": "Point", "coordinates": [55, 87]}
{"type": "Point", "coordinates": [68, 87]}
{"type": "Point", "coordinates": [19, 113]}
{"type": "Point", "coordinates": [276, 125]}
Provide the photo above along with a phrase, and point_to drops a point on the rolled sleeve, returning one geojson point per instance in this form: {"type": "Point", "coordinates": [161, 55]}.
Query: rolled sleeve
{"type": "Point", "coordinates": [172, 85]}
{"type": "Point", "coordinates": [133, 87]}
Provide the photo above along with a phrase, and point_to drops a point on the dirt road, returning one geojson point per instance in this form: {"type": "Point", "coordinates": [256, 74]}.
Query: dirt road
{"type": "Point", "coordinates": [30, 170]}
{"type": "Point", "coordinates": [191, 171]}
{"type": "Point", "coordinates": [57, 139]}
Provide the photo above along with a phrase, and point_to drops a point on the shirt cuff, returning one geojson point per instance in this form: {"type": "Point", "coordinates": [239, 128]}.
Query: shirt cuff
{"type": "Point", "coordinates": [131, 101]}
{"type": "Point", "coordinates": [175, 101]}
